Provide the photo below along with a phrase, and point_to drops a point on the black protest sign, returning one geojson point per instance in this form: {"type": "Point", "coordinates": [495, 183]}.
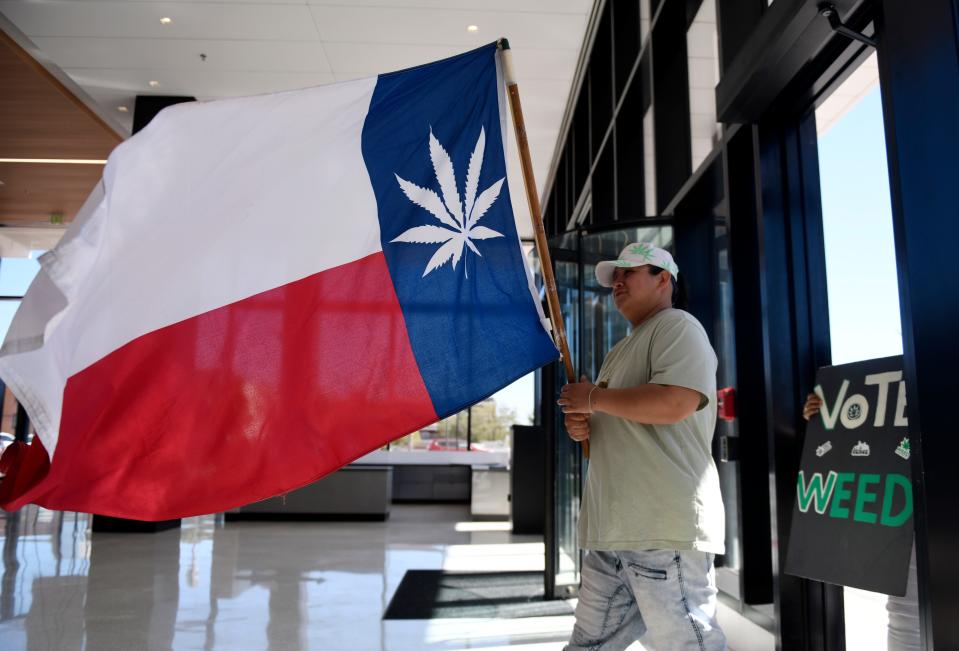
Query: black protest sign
{"type": "Point", "coordinates": [852, 520]}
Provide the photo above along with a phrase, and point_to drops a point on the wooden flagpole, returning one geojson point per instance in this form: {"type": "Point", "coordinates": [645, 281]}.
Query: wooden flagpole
{"type": "Point", "coordinates": [536, 214]}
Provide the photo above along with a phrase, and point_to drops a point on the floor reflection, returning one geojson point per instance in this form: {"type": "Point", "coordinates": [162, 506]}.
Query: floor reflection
{"type": "Point", "coordinates": [248, 585]}
{"type": "Point", "coordinates": [132, 590]}
{"type": "Point", "coordinates": [44, 585]}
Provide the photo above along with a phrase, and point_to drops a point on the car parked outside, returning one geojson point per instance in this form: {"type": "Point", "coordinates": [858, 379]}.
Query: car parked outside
{"type": "Point", "coordinates": [454, 445]}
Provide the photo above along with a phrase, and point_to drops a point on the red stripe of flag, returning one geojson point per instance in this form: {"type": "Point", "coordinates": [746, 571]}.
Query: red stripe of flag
{"type": "Point", "coordinates": [238, 404]}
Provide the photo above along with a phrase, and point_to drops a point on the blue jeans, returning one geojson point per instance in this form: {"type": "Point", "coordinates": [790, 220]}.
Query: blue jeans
{"type": "Point", "coordinates": [665, 597]}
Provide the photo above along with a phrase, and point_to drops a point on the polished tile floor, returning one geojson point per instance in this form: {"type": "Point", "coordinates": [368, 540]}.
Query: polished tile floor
{"type": "Point", "coordinates": [252, 585]}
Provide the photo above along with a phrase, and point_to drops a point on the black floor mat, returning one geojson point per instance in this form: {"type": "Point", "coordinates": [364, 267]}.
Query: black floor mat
{"type": "Point", "coordinates": [435, 594]}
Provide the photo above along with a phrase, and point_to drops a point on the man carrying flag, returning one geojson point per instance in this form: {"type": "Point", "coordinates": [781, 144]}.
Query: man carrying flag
{"type": "Point", "coordinates": [652, 513]}
{"type": "Point", "coordinates": [263, 289]}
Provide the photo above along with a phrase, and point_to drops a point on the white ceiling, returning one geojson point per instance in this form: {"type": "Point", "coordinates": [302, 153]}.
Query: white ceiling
{"type": "Point", "coordinates": [112, 49]}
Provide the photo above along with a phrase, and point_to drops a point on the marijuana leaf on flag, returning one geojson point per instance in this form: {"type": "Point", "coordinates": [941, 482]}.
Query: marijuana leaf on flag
{"type": "Point", "coordinates": [459, 215]}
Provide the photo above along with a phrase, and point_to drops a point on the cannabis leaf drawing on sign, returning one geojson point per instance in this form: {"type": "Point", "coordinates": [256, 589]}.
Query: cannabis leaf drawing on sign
{"type": "Point", "coordinates": [458, 216]}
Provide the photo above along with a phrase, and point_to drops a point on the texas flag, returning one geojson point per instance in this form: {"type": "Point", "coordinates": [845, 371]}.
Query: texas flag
{"type": "Point", "coordinates": [264, 289]}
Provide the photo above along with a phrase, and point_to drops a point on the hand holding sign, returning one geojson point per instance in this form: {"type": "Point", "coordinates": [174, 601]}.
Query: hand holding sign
{"type": "Point", "coordinates": [812, 406]}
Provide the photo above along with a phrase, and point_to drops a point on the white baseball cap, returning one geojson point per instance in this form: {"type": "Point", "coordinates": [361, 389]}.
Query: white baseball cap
{"type": "Point", "coordinates": [637, 254]}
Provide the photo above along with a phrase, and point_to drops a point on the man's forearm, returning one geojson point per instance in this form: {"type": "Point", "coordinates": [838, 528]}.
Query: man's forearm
{"type": "Point", "coordinates": [650, 404]}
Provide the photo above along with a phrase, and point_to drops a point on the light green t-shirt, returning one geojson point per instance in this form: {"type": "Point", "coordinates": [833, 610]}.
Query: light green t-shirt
{"type": "Point", "coordinates": [656, 486]}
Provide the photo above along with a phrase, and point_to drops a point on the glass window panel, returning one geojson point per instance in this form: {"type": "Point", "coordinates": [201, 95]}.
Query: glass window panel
{"type": "Point", "coordinates": [494, 418]}
{"type": "Point", "coordinates": [607, 245]}
{"type": "Point", "coordinates": [861, 276]}
{"type": "Point", "coordinates": [8, 420]}
{"type": "Point", "coordinates": [16, 274]}
{"type": "Point", "coordinates": [864, 319]}
{"type": "Point", "coordinates": [7, 309]}
{"type": "Point", "coordinates": [649, 161]}
{"type": "Point", "coordinates": [449, 434]}
{"type": "Point", "coordinates": [702, 48]}
{"type": "Point", "coordinates": [568, 466]}
{"type": "Point", "coordinates": [849, 94]}
{"type": "Point", "coordinates": [645, 18]}
{"type": "Point", "coordinates": [484, 427]}
{"type": "Point", "coordinates": [725, 346]}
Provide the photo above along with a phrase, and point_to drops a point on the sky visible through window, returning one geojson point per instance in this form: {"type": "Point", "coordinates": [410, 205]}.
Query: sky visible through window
{"type": "Point", "coordinates": [16, 274]}
{"type": "Point", "coordinates": [864, 319]}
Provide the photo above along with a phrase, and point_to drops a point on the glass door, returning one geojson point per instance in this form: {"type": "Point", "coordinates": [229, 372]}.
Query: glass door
{"type": "Point", "coordinates": [726, 439]}
{"type": "Point", "coordinates": [861, 279]}
{"type": "Point", "coordinates": [562, 550]}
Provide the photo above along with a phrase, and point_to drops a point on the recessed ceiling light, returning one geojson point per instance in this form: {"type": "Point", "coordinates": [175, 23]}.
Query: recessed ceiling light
{"type": "Point", "coordinates": [472, 28]}
{"type": "Point", "coordinates": [166, 20]}
{"type": "Point", "coordinates": [154, 83]}
{"type": "Point", "coordinates": [122, 109]}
